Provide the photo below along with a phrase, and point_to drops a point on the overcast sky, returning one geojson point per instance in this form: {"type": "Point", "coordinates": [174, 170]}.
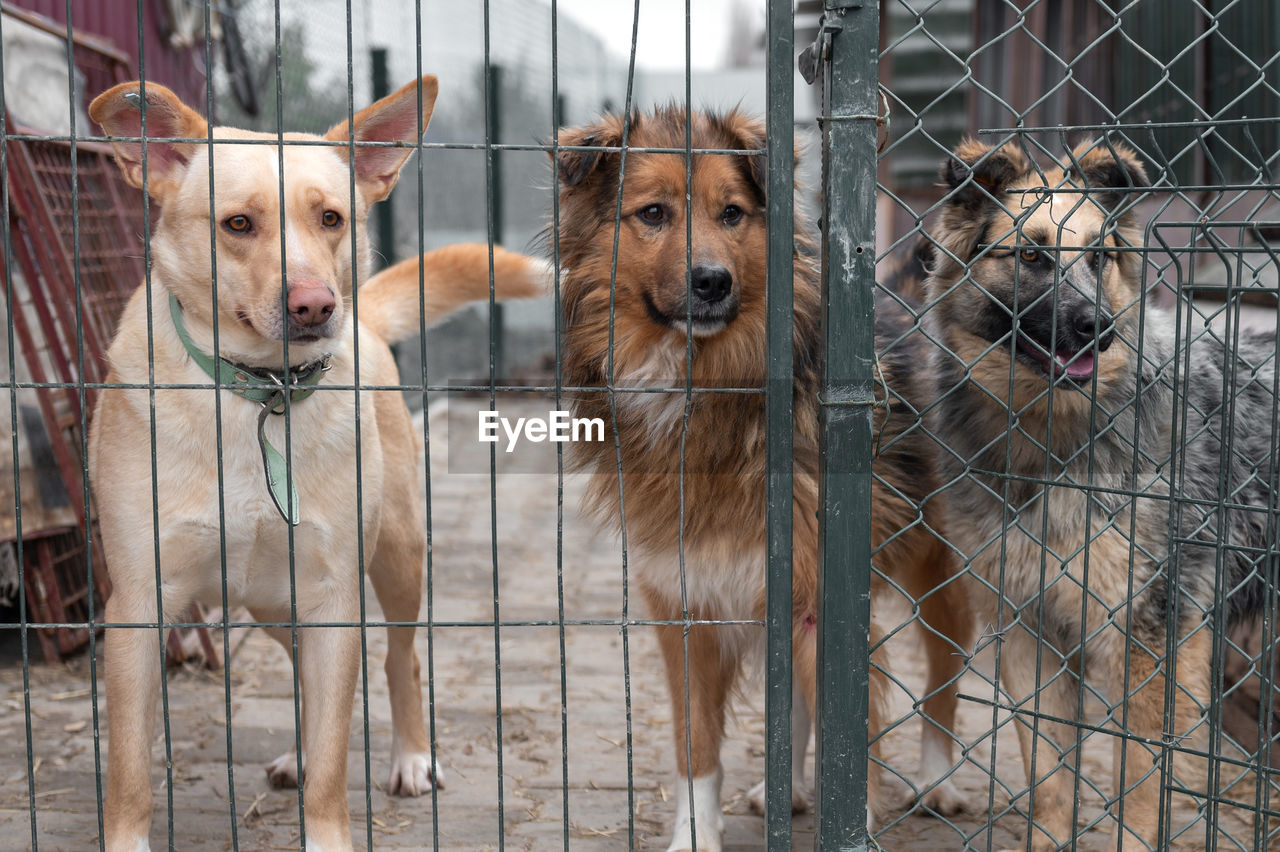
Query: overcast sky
{"type": "Point", "coordinates": [660, 44]}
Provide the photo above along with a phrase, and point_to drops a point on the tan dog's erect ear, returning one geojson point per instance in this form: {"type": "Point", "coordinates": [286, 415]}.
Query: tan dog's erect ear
{"type": "Point", "coordinates": [392, 119]}
{"type": "Point", "coordinates": [119, 111]}
{"type": "Point", "coordinates": [1109, 169]}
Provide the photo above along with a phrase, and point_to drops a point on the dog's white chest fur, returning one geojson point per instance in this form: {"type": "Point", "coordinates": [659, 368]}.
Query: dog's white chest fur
{"type": "Point", "coordinates": [664, 367]}
{"type": "Point", "coordinates": [256, 536]}
{"type": "Point", "coordinates": [245, 523]}
{"type": "Point", "coordinates": [715, 586]}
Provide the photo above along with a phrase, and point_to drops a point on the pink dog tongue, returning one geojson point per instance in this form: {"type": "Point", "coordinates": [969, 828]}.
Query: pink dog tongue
{"type": "Point", "coordinates": [1080, 368]}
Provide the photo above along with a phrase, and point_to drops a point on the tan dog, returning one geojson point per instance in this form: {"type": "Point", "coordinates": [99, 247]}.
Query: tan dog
{"type": "Point", "coordinates": [353, 457]}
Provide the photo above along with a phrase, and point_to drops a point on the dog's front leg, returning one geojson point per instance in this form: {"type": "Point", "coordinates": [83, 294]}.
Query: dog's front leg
{"type": "Point", "coordinates": [1043, 692]}
{"type": "Point", "coordinates": [133, 681]}
{"type": "Point", "coordinates": [328, 659]}
{"type": "Point", "coordinates": [708, 678]}
{"type": "Point", "coordinates": [1139, 777]}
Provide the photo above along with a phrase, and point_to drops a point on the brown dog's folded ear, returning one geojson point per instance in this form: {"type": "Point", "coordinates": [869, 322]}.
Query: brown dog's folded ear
{"type": "Point", "coordinates": [748, 133]}
{"type": "Point", "coordinates": [574, 167]}
{"type": "Point", "coordinates": [977, 173]}
{"type": "Point", "coordinates": [1109, 169]}
{"type": "Point", "coordinates": [119, 111]}
{"type": "Point", "coordinates": [392, 119]}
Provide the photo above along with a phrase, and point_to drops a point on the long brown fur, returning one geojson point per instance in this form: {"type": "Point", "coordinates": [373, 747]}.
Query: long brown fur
{"type": "Point", "coordinates": [634, 337]}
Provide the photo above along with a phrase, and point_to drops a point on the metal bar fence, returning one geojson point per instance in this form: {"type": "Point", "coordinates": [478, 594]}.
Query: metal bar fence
{"type": "Point", "coordinates": [1123, 582]}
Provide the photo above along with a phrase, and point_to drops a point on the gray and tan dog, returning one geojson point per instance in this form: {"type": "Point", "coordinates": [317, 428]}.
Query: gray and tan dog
{"type": "Point", "coordinates": [353, 457]}
{"type": "Point", "coordinates": [1059, 392]}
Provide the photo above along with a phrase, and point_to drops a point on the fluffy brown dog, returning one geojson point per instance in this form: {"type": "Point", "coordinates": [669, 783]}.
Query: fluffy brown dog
{"type": "Point", "coordinates": [212, 522]}
{"type": "Point", "coordinates": [647, 344]}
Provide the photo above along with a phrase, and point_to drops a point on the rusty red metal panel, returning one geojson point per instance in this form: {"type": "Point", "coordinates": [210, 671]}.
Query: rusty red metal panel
{"type": "Point", "coordinates": [117, 20]}
{"type": "Point", "coordinates": [57, 592]}
{"type": "Point", "coordinates": [76, 255]}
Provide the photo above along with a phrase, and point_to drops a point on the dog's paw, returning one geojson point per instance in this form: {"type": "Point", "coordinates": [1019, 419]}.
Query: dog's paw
{"type": "Point", "coordinates": [413, 774]}
{"type": "Point", "coordinates": [283, 771]}
{"type": "Point", "coordinates": [799, 800]}
{"type": "Point", "coordinates": [1044, 844]}
{"type": "Point", "coordinates": [944, 799]}
{"type": "Point", "coordinates": [708, 841]}
{"type": "Point", "coordinates": [141, 844]}
{"type": "Point", "coordinates": [707, 815]}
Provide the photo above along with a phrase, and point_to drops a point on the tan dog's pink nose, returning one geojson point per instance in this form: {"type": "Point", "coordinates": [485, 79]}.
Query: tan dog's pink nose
{"type": "Point", "coordinates": [310, 303]}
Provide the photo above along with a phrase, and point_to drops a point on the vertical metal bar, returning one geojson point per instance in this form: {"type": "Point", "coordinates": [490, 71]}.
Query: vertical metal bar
{"type": "Point", "coordinates": [86, 525]}
{"type": "Point", "coordinates": [149, 284]}
{"type": "Point", "coordinates": [233, 811]}
{"type": "Point", "coordinates": [845, 449]}
{"type": "Point", "coordinates": [426, 443]}
{"type": "Point", "coordinates": [611, 383]}
{"type": "Point", "coordinates": [380, 81]}
{"type": "Point", "coordinates": [780, 142]}
{"type": "Point", "coordinates": [686, 617]}
{"type": "Point", "coordinates": [557, 314]}
{"type": "Point", "coordinates": [493, 104]}
{"type": "Point", "coordinates": [493, 223]}
{"type": "Point", "coordinates": [361, 559]}
{"type": "Point", "coordinates": [10, 305]}
{"type": "Point", "coordinates": [292, 564]}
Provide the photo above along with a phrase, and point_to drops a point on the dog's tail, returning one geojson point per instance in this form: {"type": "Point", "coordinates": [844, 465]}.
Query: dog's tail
{"type": "Point", "coordinates": [451, 277]}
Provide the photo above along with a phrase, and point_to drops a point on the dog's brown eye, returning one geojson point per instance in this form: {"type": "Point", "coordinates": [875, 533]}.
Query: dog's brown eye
{"type": "Point", "coordinates": [239, 224]}
{"type": "Point", "coordinates": [1029, 255]}
{"type": "Point", "coordinates": [732, 215]}
{"type": "Point", "coordinates": [331, 219]}
{"type": "Point", "coordinates": [654, 214]}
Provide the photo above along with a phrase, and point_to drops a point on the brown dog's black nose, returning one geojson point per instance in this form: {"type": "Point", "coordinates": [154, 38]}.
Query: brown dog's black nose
{"type": "Point", "coordinates": [711, 282]}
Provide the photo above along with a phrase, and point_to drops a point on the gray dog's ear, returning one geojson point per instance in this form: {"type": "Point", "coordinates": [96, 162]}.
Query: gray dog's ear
{"type": "Point", "coordinates": [978, 174]}
{"type": "Point", "coordinates": [1111, 170]}
{"type": "Point", "coordinates": [574, 167]}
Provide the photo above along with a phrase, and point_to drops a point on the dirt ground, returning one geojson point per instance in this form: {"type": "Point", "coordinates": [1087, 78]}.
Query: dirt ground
{"type": "Point", "coordinates": [513, 779]}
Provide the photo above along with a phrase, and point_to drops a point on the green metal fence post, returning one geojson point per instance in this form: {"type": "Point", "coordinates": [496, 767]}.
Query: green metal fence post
{"type": "Point", "coordinates": [780, 132]}
{"type": "Point", "coordinates": [849, 110]}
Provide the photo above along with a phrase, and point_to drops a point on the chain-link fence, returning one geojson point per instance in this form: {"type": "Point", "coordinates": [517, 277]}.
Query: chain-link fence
{"type": "Point", "coordinates": [973, 475]}
{"type": "Point", "coordinates": [1074, 202]}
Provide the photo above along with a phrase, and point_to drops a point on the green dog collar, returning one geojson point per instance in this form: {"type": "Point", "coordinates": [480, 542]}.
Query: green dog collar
{"type": "Point", "coordinates": [266, 388]}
